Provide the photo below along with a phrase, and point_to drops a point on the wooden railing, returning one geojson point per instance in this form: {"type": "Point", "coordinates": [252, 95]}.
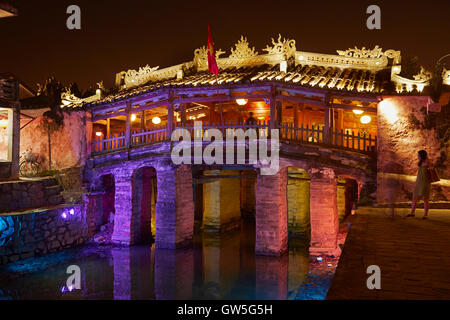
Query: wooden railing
{"type": "Point", "coordinates": [359, 142]}
{"type": "Point", "coordinates": [227, 128]}
{"type": "Point", "coordinates": [287, 132]}
{"type": "Point", "coordinates": [154, 135]}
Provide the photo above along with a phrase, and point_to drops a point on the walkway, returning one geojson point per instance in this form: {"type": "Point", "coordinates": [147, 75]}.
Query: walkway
{"type": "Point", "coordinates": [413, 255]}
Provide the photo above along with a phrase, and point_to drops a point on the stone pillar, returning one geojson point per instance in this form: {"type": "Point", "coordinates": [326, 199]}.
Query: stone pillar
{"type": "Point", "coordinates": [323, 212]}
{"type": "Point", "coordinates": [271, 214]}
{"type": "Point", "coordinates": [222, 209]}
{"type": "Point", "coordinates": [93, 207]}
{"type": "Point", "coordinates": [123, 233]}
{"type": "Point", "coordinates": [174, 207]}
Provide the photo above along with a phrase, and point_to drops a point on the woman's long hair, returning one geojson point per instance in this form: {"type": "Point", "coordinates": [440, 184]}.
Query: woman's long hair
{"type": "Point", "coordinates": [422, 157]}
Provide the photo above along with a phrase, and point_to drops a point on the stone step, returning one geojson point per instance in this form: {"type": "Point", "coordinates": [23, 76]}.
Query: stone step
{"type": "Point", "coordinates": [55, 199]}
{"type": "Point", "coordinates": [53, 190]}
{"type": "Point", "coordinates": [50, 182]}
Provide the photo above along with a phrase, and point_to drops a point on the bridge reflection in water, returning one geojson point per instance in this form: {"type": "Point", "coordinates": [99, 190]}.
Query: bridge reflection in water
{"type": "Point", "coordinates": [224, 267]}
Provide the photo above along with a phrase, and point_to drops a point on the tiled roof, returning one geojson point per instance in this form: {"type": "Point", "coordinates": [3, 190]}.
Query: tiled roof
{"type": "Point", "coordinates": [352, 80]}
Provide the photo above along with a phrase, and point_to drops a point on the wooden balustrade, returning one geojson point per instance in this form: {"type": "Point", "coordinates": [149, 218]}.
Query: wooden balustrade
{"type": "Point", "coordinates": [287, 132]}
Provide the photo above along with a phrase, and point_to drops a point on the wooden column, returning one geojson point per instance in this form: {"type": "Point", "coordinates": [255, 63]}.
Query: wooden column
{"type": "Point", "coordinates": [183, 114]}
{"type": "Point", "coordinates": [169, 119]}
{"type": "Point", "coordinates": [326, 128]}
{"type": "Point", "coordinates": [128, 126]}
{"type": "Point", "coordinates": [295, 110]}
{"type": "Point", "coordinates": [108, 128]}
{"type": "Point", "coordinates": [340, 124]}
{"type": "Point", "coordinates": [143, 128]}
{"type": "Point", "coordinates": [272, 122]}
{"type": "Point", "coordinates": [279, 107]}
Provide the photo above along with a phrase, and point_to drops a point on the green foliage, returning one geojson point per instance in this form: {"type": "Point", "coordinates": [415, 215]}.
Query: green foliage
{"type": "Point", "coordinates": [48, 173]}
{"type": "Point", "coordinates": [436, 82]}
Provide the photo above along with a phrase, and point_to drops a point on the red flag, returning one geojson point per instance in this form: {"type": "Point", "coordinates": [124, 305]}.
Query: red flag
{"type": "Point", "coordinates": [212, 63]}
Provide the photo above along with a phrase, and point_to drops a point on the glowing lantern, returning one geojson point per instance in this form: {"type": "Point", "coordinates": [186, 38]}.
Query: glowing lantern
{"type": "Point", "coordinates": [357, 111]}
{"type": "Point", "coordinates": [133, 117]}
{"type": "Point", "coordinates": [156, 120]}
{"type": "Point", "coordinates": [4, 123]}
{"type": "Point", "coordinates": [365, 119]}
{"type": "Point", "coordinates": [241, 102]}
{"type": "Point", "coordinates": [389, 111]}
{"type": "Point", "coordinates": [98, 133]}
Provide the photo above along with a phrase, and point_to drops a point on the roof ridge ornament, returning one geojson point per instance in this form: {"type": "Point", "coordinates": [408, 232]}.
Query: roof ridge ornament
{"type": "Point", "coordinates": [282, 46]}
{"type": "Point", "coordinates": [138, 77]}
{"type": "Point", "coordinates": [375, 53]}
{"type": "Point", "coordinates": [243, 50]}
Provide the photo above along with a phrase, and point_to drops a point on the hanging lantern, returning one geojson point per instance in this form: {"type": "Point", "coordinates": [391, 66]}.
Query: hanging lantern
{"type": "Point", "coordinates": [156, 120]}
{"type": "Point", "coordinates": [365, 119]}
{"type": "Point", "coordinates": [241, 102]}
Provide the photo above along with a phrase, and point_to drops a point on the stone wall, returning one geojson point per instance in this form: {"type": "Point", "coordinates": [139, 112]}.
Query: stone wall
{"type": "Point", "coordinates": [19, 195]}
{"type": "Point", "coordinates": [400, 137]}
{"type": "Point", "coordinates": [39, 232]}
{"type": "Point", "coordinates": [68, 144]}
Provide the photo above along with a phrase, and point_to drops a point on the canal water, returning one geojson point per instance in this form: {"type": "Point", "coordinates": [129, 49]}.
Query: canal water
{"type": "Point", "coordinates": [214, 267]}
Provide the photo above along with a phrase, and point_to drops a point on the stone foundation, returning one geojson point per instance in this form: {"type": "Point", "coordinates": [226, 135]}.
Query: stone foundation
{"type": "Point", "coordinates": [324, 213]}
{"type": "Point", "coordinates": [174, 208]}
{"type": "Point", "coordinates": [27, 234]}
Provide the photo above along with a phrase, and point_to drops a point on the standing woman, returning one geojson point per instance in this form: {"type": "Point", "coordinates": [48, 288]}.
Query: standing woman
{"type": "Point", "coordinates": [423, 186]}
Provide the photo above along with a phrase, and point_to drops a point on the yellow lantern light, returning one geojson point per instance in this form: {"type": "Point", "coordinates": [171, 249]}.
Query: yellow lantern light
{"type": "Point", "coordinates": [4, 123]}
{"type": "Point", "coordinates": [357, 111]}
{"type": "Point", "coordinates": [365, 119]}
{"type": "Point", "coordinates": [133, 117]}
{"type": "Point", "coordinates": [241, 102]}
{"type": "Point", "coordinates": [156, 120]}
{"type": "Point", "coordinates": [98, 133]}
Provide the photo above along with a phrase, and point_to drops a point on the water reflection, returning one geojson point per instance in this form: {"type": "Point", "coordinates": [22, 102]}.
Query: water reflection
{"type": "Point", "coordinates": [215, 267]}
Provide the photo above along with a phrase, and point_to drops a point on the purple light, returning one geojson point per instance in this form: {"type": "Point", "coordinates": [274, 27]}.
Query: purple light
{"type": "Point", "coordinates": [64, 215]}
{"type": "Point", "coordinates": [72, 212]}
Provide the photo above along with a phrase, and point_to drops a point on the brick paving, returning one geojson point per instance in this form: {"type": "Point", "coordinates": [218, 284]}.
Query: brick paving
{"type": "Point", "coordinates": [413, 255]}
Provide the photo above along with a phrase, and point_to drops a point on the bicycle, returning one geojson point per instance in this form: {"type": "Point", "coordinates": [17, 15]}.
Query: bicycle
{"type": "Point", "coordinates": [29, 165]}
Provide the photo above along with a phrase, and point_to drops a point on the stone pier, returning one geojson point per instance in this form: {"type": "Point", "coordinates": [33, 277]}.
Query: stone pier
{"type": "Point", "coordinates": [271, 214]}
{"type": "Point", "coordinates": [123, 233]}
{"type": "Point", "coordinates": [323, 212]}
{"type": "Point", "coordinates": [174, 207]}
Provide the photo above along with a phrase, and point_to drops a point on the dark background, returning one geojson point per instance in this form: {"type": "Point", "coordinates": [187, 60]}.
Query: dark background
{"type": "Point", "coordinates": [121, 35]}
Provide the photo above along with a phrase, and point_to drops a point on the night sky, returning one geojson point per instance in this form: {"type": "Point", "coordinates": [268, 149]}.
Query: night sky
{"type": "Point", "coordinates": [121, 35]}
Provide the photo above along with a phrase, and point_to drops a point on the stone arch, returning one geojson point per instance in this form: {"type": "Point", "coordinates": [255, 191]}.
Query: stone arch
{"type": "Point", "coordinates": [143, 201]}
{"type": "Point", "coordinates": [298, 195]}
{"type": "Point", "coordinates": [348, 190]}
